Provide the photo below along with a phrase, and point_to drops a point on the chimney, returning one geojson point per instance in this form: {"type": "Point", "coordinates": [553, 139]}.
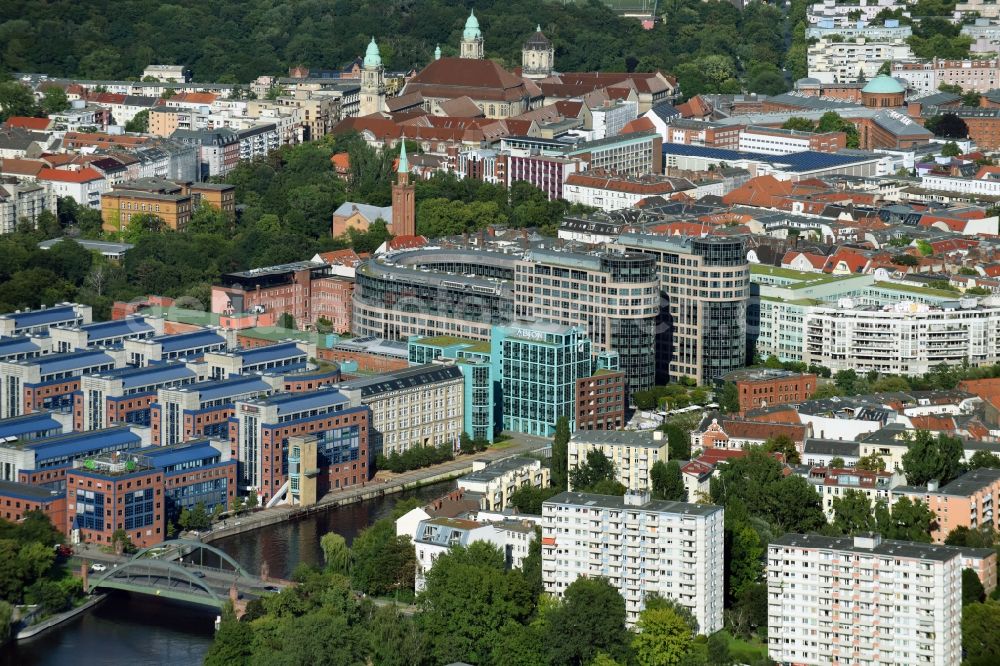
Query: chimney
{"type": "Point", "coordinates": [932, 486]}
{"type": "Point", "coordinates": [868, 540]}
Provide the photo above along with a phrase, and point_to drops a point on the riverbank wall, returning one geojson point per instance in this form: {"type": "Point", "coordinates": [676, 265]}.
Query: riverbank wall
{"type": "Point", "coordinates": [371, 490]}
{"type": "Point", "coordinates": [55, 620]}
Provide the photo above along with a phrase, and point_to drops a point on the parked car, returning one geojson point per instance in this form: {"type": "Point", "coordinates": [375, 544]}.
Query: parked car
{"type": "Point", "coordinates": [198, 574]}
{"type": "Point", "coordinates": [62, 550]}
{"type": "Point", "coordinates": [97, 566]}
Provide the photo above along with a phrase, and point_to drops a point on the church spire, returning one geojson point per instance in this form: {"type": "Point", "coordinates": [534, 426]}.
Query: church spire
{"type": "Point", "coordinates": [404, 164]}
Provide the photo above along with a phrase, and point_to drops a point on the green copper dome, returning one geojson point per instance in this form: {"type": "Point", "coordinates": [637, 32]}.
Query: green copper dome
{"type": "Point", "coordinates": [372, 57]}
{"type": "Point", "coordinates": [883, 84]}
{"type": "Point", "coordinates": [472, 28]}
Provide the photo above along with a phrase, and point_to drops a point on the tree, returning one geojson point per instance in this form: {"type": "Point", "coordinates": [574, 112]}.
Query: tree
{"type": "Point", "coordinates": [984, 458]}
{"type": "Point", "coordinates": [980, 638]}
{"type": "Point", "coordinates": [932, 458]}
{"type": "Point", "coordinates": [121, 542]}
{"type": "Point", "coordinates": [468, 600]}
{"type": "Point", "coordinates": [907, 520]}
{"type": "Point", "coordinates": [664, 638]}
{"type": "Point", "coordinates": [729, 398]}
{"type": "Point", "coordinates": [336, 554]}
{"type": "Point", "coordinates": [598, 468]}
{"type": "Point", "coordinates": [252, 501]}
{"type": "Point", "coordinates": [799, 124]}
{"type": "Point", "coordinates": [139, 124]}
{"type": "Point", "coordinates": [852, 512]}
{"type": "Point", "coordinates": [667, 481]}
{"type": "Point", "coordinates": [394, 639]}
{"type": "Point", "coordinates": [382, 562]}
{"type": "Point", "coordinates": [718, 649]}
{"type": "Point", "coordinates": [184, 519]}
{"type": "Point", "coordinates": [950, 149]}
{"type": "Point", "coordinates": [54, 100]}
{"type": "Point", "coordinates": [947, 125]}
{"type": "Point", "coordinates": [529, 498]}
{"type": "Point", "coordinates": [6, 617]}
{"type": "Point", "coordinates": [286, 320]}
{"type": "Point", "coordinates": [873, 462]}
{"type": "Point", "coordinates": [16, 100]}
{"type": "Point", "coordinates": [238, 505]}
{"type": "Point", "coordinates": [678, 441]}
{"type": "Point", "coordinates": [200, 520]}
{"type": "Point", "coordinates": [981, 537]}
{"type": "Point", "coordinates": [784, 445]}
{"type": "Point", "coordinates": [905, 260]}
{"type": "Point", "coordinates": [590, 620]}
{"type": "Point", "coordinates": [972, 588]}
{"type": "Point", "coordinates": [560, 454]}
{"type": "Point", "coordinates": [837, 463]}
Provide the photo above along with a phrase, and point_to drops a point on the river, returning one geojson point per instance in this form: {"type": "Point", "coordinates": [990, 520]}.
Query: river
{"type": "Point", "coordinates": [137, 630]}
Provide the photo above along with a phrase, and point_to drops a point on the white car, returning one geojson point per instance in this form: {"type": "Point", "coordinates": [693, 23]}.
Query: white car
{"type": "Point", "coordinates": [97, 566]}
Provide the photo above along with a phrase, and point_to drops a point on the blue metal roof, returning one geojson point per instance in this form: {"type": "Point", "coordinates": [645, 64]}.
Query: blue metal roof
{"type": "Point", "coordinates": [12, 346]}
{"type": "Point", "coordinates": [80, 443]}
{"type": "Point", "coordinates": [807, 160]}
{"type": "Point", "coordinates": [270, 353]}
{"type": "Point", "coordinates": [229, 387]}
{"type": "Point", "coordinates": [21, 425]}
{"type": "Point", "coordinates": [113, 329]}
{"type": "Point", "coordinates": [172, 343]}
{"type": "Point", "coordinates": [42, 317]}
{"type": "Point", "coordinates": [169, 456]}
{"type": "Point", "coordinates": [154, 374]}
{"type": "Point", "coordinates": [298, 402]}
{"type": "Point", "coordinates": [71, 361]}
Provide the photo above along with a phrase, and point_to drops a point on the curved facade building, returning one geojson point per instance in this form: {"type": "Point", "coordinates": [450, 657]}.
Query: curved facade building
{"type": "Point", "coordinates": [707, 282]}
{"type": "Point", "coordinates": [613, 295]}
{"type": "Point", "coordinates": [434, 292]}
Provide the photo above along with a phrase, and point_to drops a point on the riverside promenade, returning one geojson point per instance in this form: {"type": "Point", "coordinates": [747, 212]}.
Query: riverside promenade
{"type": "Point", "coordinates": [518, 444]}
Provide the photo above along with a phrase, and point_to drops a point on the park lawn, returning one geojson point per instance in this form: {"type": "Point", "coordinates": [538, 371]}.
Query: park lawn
{"type": "Point", "coordinates": [745, 652]}
{"type": "Point", "coordinates": [500, 446]}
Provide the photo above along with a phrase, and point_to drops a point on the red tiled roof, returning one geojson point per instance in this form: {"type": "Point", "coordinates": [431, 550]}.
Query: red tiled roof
{"type": "Point", "coordinates": [760, 430]}
{"type": "Point", "coordinates": [21, 167]}
{"type": "Point", "coordinates": [346, 257]}
{"type": "Point", "coordinates": [65, 176]}
{"type": "Point", "coordinates": [407, 242]}
{"type": "Point", "coordinates": [641, 124]}
{"type": "Point", "coordinates": [28, 123]}
{"type": "Point", "coordinates": [762, 192]}
{"type": "Point", "coordinates": [455, 77]}
{"type": "Point", "coordinates": [193, 98]}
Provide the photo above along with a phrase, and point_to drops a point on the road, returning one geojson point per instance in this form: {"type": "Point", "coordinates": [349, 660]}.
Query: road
{"type": "Point", "coordinates": [517, 444]}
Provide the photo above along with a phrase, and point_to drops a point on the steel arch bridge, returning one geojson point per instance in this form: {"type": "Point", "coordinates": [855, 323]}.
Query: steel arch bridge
{"type": "Point", "coordinates": [155, 571]}
{"type": "Point", "coordinates": [177, 547]}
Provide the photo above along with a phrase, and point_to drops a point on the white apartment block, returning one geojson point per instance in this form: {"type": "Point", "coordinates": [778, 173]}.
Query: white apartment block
{"type": "Point", "coordinates": [989, 186]}
{"type": "Point", "coordinates": [828, 27]}
{"type": "Point", "coordinates": [612, 117]}
{"type": "Point", "coordinates": [843, 61]}
{"type": "Point", "coordinates": [435, 536]}
{"type": "Point", "coordinates": [906, 338]}
{"type": "Point", "coordinates": [495, 482]}
{"type": "Point", "coordinates": [674, 549]}
{"type": "Point", "coordinates": [863, 601]}
{"type": "Point", "coordinates": [24, 201]}
{"type": "Point", "coordinates": [632, 452]}
{"type": "Point", "coordinates": [985, 35]}
{"type": "Point", "coordinates": [839, 13]}
{"type": "Point", "coordinates": [927, 77]}
{"type": "Point", "coordinates": [985, 9]}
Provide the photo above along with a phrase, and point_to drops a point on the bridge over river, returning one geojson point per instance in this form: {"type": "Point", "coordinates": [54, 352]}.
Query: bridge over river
{"type": "Point", "coordinates": [184, 570]}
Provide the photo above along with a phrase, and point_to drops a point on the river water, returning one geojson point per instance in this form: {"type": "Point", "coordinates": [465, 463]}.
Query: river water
{"type": "Point", "coordinates": [134, 630]}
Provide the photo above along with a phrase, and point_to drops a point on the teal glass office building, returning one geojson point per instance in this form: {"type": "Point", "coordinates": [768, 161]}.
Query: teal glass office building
{"type": "Point", "coordinates": [538, 365]}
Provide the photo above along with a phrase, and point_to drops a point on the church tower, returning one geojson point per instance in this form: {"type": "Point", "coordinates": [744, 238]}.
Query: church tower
{"type": "Point", "coordinates": [472, 39]}
{"type": "Point", "coordinates": [537, 56]}
{"type": "Point", "coordinates": [404, 221]}
{"type": "Point", "coordinates": [372, 82]}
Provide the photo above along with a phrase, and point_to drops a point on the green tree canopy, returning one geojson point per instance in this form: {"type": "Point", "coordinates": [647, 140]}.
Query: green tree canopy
{"type": "Point", "coordinates": [667, 481]}
{"type": "Point", "coordinates": [589, 620]}
{"type": "Point", "coordinates": [931, 458]}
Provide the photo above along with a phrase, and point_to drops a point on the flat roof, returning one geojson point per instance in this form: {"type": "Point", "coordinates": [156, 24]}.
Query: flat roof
{"type": "Point", "coordinates": [19, 345]}
{"type": "Point", "coordinates": [180, 341]}
{"type": "Point", "coordinates": [103, 247]}
{"type": "Point", "coordinates": [615, 502]}
{"type": "Point", "coordinates": [270, 353]}
{"type": "Point", "coordinates": [619, 438]}
{"type": "Point", "coordinates": [497, 469]}
{"type": "Point", "coordinates": [111, 329]}
{"type": "Point", "coordinates": [887, 547]}
{"type": "Point", "coordinates": [28, 492]}
{"type": "Point", "coordinates": [168, 456]}
{"type": "Point", "coordinates": [153, 374]}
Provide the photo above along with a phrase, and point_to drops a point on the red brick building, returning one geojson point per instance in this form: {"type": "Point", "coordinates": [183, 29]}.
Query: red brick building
{"type": "Point", "coordinates": [113, 493]}
{"type": "Point", "coordinates": [758, 388]}
{"type": "Point", "coordinates": [17, 499]}
{"type": "Point", "coordinates": [600, 401]}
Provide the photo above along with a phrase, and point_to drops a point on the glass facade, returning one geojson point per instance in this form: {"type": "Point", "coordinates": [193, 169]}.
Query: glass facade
{"type": "Point", "coordinates": [211, 493]}
{"type": "Point", "coordinates": [139, 509]}
{"type": "Point", "coordinates": [90, 510]}
{"type": "Point", "coordinates": [538, 369]}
